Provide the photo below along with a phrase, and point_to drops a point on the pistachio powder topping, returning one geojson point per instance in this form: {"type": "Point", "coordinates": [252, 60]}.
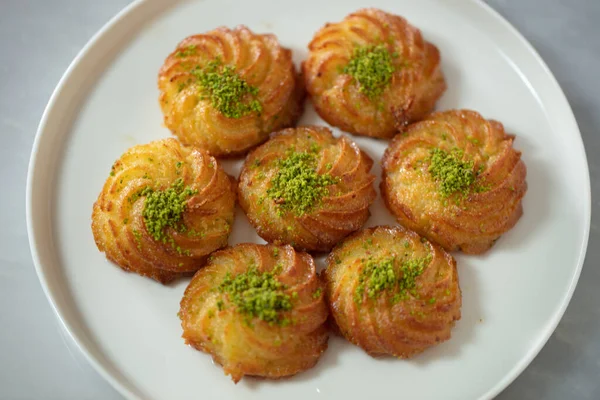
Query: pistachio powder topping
{"type": "Point", "coordinates": [164, 209]}
{"type": "Point", "coordinates": [186, 51]}
{"type": "Point", "coordinates": [226, 90]}
{"type": "Point", "coordinates": [452, 173]}
{"type": "Point", "coordinates": [257, 295]}
{"type": "Point", "coordinates": [372, 68]}
{"type": "Point", "coordinates": [382, 275]}
{"type": "Point", "coordinates": [297, 187]}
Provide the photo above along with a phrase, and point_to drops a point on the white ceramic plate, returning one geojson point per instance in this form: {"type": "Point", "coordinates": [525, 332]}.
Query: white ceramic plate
{"type": "Point", "coordinates": [513, 297]}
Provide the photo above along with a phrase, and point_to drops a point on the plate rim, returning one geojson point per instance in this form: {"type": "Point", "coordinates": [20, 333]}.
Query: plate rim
{"type": "Point", "coordinates": [111, 377]}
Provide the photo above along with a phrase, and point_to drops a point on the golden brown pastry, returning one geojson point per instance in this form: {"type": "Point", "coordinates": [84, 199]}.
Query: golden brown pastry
{"type": "Point", "coordinates": [259, 310]}
{"type": "Point", "coordinates": [306, 188]}
{"type": "Point", "coordinates": [456, 179]}
{"type": "Point", "coordinates": [226, 90]}
{"type": "Point", "coordinates": [163, 209]}
{"type": "Point", "coordinates": [372, 73]}
{"type": "Point", "coordinates": [392, 293]}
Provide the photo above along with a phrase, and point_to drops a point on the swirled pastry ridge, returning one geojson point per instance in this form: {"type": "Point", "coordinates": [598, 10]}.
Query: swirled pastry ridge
{"type": "Point", "coordinates": [246, 62]}
{"type": "Point", "coordinates": [163, 209]}
{"type": "Point", "coordinates": [259, 310]}
{"type": "Point", "coordinates": [456, 179]}
{"type": "Point", "coordinates": [374, 45]}
{"type": "Point", "coordinates": [307, 188]}
{"type": "Point", "coordinates": [392, 293]}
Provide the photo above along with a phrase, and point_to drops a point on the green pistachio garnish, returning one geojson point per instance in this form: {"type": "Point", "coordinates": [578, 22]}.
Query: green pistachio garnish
{"type": "Point", "coordinates": [138, 238]}
{"type": "Point", "coordinates": [227, 91]}
{"type": "Point", "coordinates": [372, 68]}
{"type": "Point", "coordinates": [411, 269]}
{"type": "Point", "coordinates": [375, 277]}
{"type": "Point", "coordinates": [164, 209]}
{"type": "Point", "coordinates": [385, 275]}
{"type": "Point", "coordinates": [257, 295]}
{"type": "Point", "coordinates": [187, 51]}
{"type": "Point", "coordinates": [297, 187]}
{"type": "Point", "coordinates": [452, 173]}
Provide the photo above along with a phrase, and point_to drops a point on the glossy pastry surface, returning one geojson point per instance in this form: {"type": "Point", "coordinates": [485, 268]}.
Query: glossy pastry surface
{"type": "Point", "coordinates": [258, 310]}
{"type": "Point", "coordinates": [372, 73]}
{"type": "Point", "coordinates": [307, 188]}
{"type": "Point", "coordinates": [456, 179]}
{"type": "Point", "coordinates": [391, 292]}
{"type": "Point", "coordinates": [227, 89]}
{"type": "Point", "coordinates": [163, 209]}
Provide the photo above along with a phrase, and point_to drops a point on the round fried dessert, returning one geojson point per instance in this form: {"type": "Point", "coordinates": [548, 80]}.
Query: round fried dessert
{"type": "Point", "coordinates": [391, 292]}
{"type": "Point", "coordinates": [259, 310]}
{"type": "Point", "coordinates": [372, 73]}
{"type": "Point", "coordinates": [163, 209]}
{"type": "Point", "coordinates": [306, 188]}
{"type": "Point", "coordinates": [226, 90]}
{"type": "Point", "coordinates": [456, 179]}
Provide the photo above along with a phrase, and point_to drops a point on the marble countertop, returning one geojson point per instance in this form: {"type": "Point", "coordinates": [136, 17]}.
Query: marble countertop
{"type": "Point", "coordinates": [38, 40]}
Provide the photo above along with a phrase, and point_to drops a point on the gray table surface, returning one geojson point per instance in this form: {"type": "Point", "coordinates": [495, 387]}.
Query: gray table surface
{"type": "Point", "coordinates": [38, 40]}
